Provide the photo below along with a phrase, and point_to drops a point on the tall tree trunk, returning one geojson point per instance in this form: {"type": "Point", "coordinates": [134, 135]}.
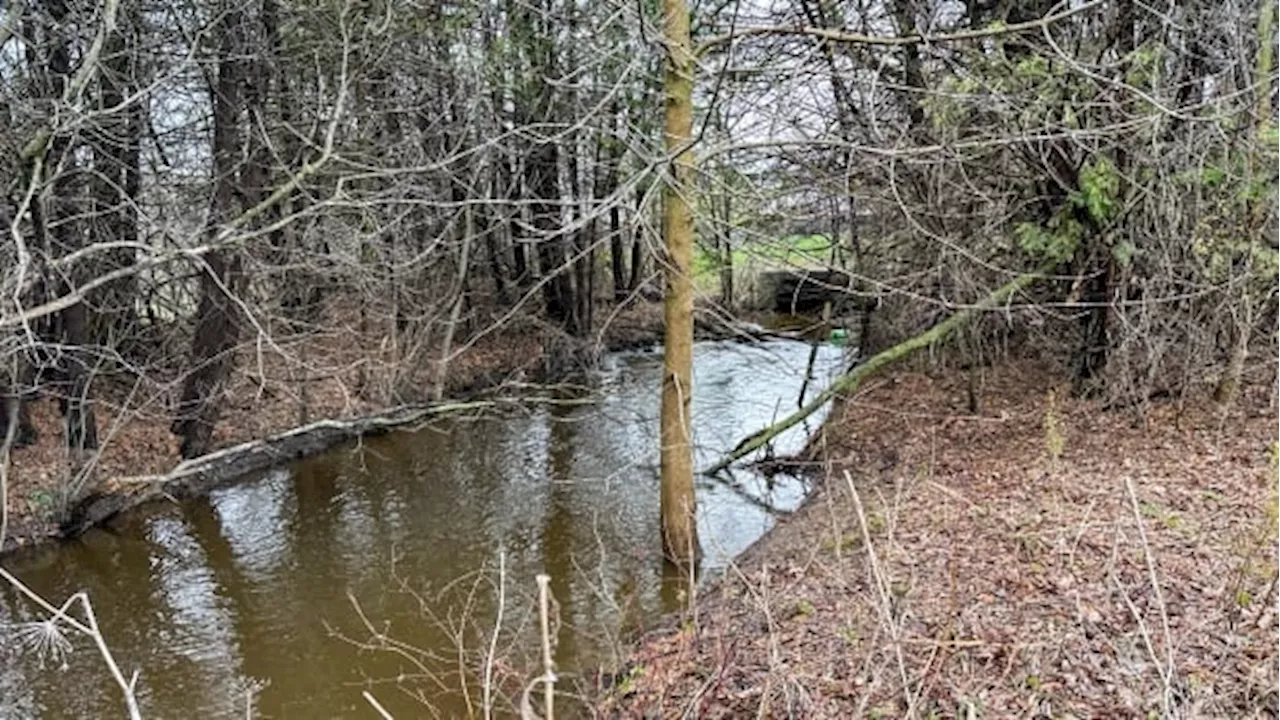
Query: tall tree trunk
{"type": "Point", "coordinates": [725, 241]}
{"type": "Point", "coordinates": [494, 220]}
{"type": "Point", "coordinates": [115, 184]}
{"type": "Point", "coordinates": [1101, 289]}
{"type": "Point", "coordinates": [217, 326]}
{"type": "Point", "coordinates": [617, 255]}
{"type": "Point", "coordinates": [490, 228]}
{"type": "Point", "coordinates": [612, 169]}
{"type": "Point", "coordinates": [538, 105]}
{"type": "Point", "coordinates": [912, 76]}
{"type": "Point", "coordinates": [574, 281]}
{"type": "Point", "coordinates": [678, 505]}
{"type": "Point", "coordinates": [301, 286]}
{"type": "Point", "coordinates": [578, 281]}
{"type": "Point", "coordinates": [1242, 313]}
{"type": "Point", "coordinates": [521, 273]}
{"type": "Point", "coordinates": [637, 250]}
{"type": "Point", "coordinates": [541, 173]}
{"type": "Point", "coordinates": [62, 238]}
{"type": "Point", "coordinates": [459, 294]}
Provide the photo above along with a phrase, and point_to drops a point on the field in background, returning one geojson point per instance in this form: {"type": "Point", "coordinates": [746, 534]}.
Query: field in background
{"type": "Point", "coordinates": [805, 251]}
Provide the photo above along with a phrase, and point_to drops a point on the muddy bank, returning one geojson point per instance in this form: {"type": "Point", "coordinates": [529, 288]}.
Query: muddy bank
{"type": "Point", "coordinates": [1043, 558]}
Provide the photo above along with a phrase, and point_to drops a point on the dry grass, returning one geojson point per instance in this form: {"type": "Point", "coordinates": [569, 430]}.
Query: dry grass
{"type": "Point", "coordinates": [961, 572]}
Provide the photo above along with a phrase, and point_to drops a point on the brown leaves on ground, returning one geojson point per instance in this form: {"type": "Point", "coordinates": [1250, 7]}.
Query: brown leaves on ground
{"type": "Point", "coordinates": [998, 581]}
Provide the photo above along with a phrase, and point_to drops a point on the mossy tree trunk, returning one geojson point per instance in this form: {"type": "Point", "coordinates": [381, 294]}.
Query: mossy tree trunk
{"type": "Point", "coordinates": [850, 381]}
{"type": "Point", "coordinates": [679, 528]}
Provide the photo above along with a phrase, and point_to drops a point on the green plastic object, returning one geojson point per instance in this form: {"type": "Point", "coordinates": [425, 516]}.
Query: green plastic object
{"type": "Point", "coordinates": [839, 336]}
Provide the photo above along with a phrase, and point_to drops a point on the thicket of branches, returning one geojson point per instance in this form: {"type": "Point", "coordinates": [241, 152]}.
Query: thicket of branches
{"type": "Point", "coordinates": [290, 192]}
{"type": "Point", "coordinates": [1133, 144]}
{"type": "Point", "coordinates": [279, 191]}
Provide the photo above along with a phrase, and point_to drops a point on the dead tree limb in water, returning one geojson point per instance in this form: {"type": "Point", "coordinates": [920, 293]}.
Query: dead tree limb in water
{"type": "Point", "coordinates": [850, 381]}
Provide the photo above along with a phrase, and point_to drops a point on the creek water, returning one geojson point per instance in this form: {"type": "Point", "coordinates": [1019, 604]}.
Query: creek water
{"type": "Point", "coordinates": [264, 592]}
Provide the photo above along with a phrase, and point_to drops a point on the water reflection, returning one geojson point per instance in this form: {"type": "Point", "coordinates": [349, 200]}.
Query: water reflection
{"type": "Point", "coordinates": [255, 584]}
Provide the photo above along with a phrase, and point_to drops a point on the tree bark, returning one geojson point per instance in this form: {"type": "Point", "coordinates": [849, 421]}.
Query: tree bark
{"type": "Point", "coordinates": [540, 175]}
{"type": "Point", "coordinates": [912, 75]}
{"type": "Point", "coordinates": [617, 255]}
{"type": "Point", "coordinates": [455, 310]}
{"type": "Point", "coordinates": [637, 250]}
{"type": "Point", "coordinates": [725, 243]}
{"type": "Point", "coordinates": [114, 188]}
{"type": "Point", "coordinates": [1228, 386]}
{"type": "Point", "coordinates": [217, 326]}
{"type": "Point", "coordinates": [613, 161]}
{"type": "Point", "coordinates": [72, 326]}
{"type": "Point", "coordinates": [678, 504]}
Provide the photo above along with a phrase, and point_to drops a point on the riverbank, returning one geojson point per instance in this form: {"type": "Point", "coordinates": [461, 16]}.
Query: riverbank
{"type": "Point", "coordinates": [273, 415]}
{"type": "Point", "coordinates": [269, 400]}
{"type": "Point", "coordinates": [1041, 559]}
{"type": "Point", "coordinates": [419, 528]}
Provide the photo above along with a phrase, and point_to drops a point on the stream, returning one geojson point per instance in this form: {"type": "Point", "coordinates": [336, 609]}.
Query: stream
{"type": "Point", "coordinates": [260, 593]}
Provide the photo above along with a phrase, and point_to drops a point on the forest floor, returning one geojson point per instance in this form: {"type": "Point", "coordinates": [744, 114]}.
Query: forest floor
{"type": "Point", "coordinates": [337, 373]}
{"type": "Point", "coordinates": [950, 567]}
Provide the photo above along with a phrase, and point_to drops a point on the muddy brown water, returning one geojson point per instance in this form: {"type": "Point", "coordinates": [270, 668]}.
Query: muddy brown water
{"type": "Point", "coordinates": [250, 596]}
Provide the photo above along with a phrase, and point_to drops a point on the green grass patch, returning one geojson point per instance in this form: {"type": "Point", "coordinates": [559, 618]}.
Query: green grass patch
{"type": "Point", "coordinates": [791, 251]}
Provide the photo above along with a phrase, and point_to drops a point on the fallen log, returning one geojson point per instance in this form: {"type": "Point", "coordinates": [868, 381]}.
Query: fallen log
{"type": "Point", "coordinates": [199, 475]}
{"type": "Point", "coordinates": [850, 381]}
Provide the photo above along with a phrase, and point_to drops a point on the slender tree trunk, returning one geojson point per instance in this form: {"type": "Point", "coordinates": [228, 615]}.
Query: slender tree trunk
{"type": "Point", "coordinates": [579, 280]}
{"type": "Point", "coordinates": [574, 281]}
{"type": "Point", "coordinates": [13, 398]}
{"type": "Point", "coordinates": [491, 225]}
{"type": "Point", "coordinates": [637, 251]}
{"type": "Point", "coordinates": [494, 220]}
{"type": "Point", "coordinates": [617, 256]}
{"type": "Point", "coordinates": [116, 183]}
{"type": "Point", "coordinates": [613, 161]}
{"type": "Point", "coordinates": [912, 76]}
{"type": "Point", "coordinates": [460, 292]}
{"type": "Point", "coordinates": [678, 504]}
{"type": "Point", "coordinates": [217, 330]}
{"type": "Point", "coordinates": [61, 238]}
{"type": "Point", "coordinates": [543, 167]}
{"type": "Point", "coordinates": [1228, 386]}
{"type": "Point", "coordinates": [584, 276]}
{"type": "Point", "coordinates": [302, 294]}
{"type": "Point", "coordinates": [725, 236]}
{"type": "Point", "coordinates": [521, 273]}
